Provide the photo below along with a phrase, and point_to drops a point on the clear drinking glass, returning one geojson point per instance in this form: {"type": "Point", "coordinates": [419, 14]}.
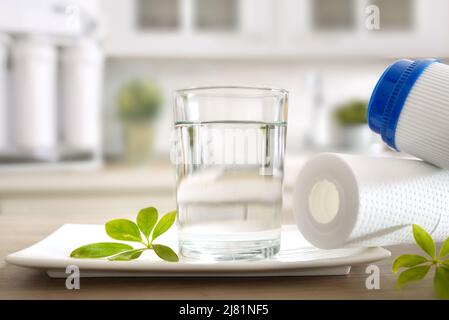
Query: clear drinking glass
{"type": "Point", "coordinates": [230, 145]}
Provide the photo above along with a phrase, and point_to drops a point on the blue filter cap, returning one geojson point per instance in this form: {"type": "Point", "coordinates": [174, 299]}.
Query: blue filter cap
{"type": "Point", "coordinates": [389, 96]}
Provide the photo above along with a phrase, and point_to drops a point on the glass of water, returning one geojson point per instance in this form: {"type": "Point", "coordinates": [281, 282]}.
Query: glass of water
{"type": "Point", "coordinates": [229, 154]}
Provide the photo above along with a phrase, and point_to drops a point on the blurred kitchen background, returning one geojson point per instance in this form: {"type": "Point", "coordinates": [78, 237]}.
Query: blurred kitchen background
{"type": "Point", "coordinates": [86, 85]}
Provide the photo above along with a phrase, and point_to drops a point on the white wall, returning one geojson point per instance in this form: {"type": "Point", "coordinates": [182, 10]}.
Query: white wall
{"type": "Point", "coordinates": [341, 80]}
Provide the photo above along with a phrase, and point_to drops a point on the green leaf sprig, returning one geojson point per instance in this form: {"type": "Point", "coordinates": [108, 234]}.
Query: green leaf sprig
{"type": "Point", "coordinates": [147, 224]}
{"type": "Point", "coordinates": [417, 266]}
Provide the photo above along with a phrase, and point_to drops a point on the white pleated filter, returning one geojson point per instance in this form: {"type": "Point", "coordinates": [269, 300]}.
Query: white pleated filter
{"type": "Point", "coordinates": [379, 198]}
{"type": "Point", "coordinates": [423, 125]}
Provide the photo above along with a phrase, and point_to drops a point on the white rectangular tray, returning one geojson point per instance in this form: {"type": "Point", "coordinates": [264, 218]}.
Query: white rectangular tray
{"type": "Point", "coordinates": [296, 258]}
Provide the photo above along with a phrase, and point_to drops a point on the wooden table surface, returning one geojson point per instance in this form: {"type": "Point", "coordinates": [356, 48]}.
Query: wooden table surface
{"type": "Point", "coordinates": [18, 231]}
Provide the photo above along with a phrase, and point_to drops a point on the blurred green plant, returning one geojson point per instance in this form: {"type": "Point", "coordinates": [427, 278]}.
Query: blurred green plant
{"type": "Point", "coordinates": [351, 113]}
{"type": "Point", "coordinates": [417, 266]}
{"type": "Point", "coordinates": [139, 101]}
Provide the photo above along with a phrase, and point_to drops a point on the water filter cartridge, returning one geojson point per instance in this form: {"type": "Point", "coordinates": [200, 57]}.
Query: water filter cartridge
{"type": "Point", "coordinates": [343, 200]}
{"type": "Point", "coordinates": [34, 72]}
{"type": "Point", "coordinates": [409, 108]}
{"type": "Point", "coordinates": [82, 66]}
{"type": "Point", "coordinates": [3, 90]}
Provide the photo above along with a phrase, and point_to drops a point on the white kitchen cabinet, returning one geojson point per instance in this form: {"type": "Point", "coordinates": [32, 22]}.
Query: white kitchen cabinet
{"type": "Point", "coordinates": [187, 28]}
{"type": "Point", "coordinates": [166, 17]}
{"type": "Point", "coordinates": [343, 28]}
{"type": "Point", "coordinates": [275, 28]}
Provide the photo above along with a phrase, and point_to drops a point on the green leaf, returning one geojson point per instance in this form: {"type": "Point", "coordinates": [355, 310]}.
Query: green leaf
{"type": "Point", "coordinates": [164, 224]}
{"type": "Point", "coordinates": [407, 261]}
{"type": "Point", "coordinates": [165, 253]}
{"type": "Point", "coordinates": [445, 264]}
{"type": "Point", "coordinates": [424, 240]}
{"type": "Point", "coordinates": [146, 219]}
{"type": "Point", "coordinates": [441, 283]}
{"type": "Point", "coordinates": [127, 255]}
{"type": "Point", "coordinates": [123, 229]}
{"type": "Point", "coordinates": [99, 250]}
{"type": "Point", "coordinates": [412, 274]}
{"type": "Point", "coordinates": [444, 250]}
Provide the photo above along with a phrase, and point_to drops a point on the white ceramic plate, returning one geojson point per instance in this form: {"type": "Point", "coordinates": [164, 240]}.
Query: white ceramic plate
{"type": "Point", "coordinates": [296, 258]}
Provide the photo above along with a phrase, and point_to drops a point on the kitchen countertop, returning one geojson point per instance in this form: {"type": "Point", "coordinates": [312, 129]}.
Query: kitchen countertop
{"type": "Point", "coordinates": [18, 231]}
{"type": "Point", "coordinates": [19, 228]}
{"type": "Point", "coordinates": [157, 176]}
{"type": "Point", "coordinates": [160, 176]}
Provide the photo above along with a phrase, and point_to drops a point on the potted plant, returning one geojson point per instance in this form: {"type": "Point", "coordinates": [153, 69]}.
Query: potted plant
{"type": "Point", "coordinates": [139, 104]}
{"type": "Point", "coordinates": [351, 117]}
